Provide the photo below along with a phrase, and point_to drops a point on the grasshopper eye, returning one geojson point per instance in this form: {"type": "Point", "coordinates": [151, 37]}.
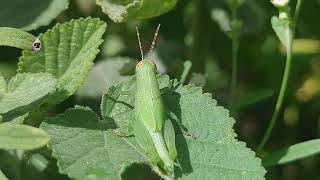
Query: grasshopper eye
{"type": "Point", "coordinates": [36, 46]}
{"type": "Point", "coordinates": [138, 66]}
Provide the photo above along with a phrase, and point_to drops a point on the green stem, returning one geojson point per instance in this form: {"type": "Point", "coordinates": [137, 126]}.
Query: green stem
{"type": "Point", "coordinates": [290, 36]}
{"type": "Point", "coordinates": [235, 47]}
{"type": "Point", "coordinates": [281, 95]}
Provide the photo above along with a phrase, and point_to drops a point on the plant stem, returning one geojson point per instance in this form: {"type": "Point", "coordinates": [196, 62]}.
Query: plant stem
{"type": "Point", "coordinates": [281, 95]}
{"type": "Point", "coordinates": [235, 47]}
{"type": "Point", "coordinates": [290, 36]}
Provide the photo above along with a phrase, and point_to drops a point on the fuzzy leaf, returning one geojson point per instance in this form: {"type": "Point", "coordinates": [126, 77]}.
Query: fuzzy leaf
{"type": "Point", "coordinates": [25, 91]}
{"type": "Point", "coordinates": [19, 136]}
{"type": "Point", "coordinates": [120, 11]}
{"type": "Point", "coordinates": [86, 149]}
{"type": "Point", "coordinates": [67, 53]}
{"type": "Point", "coordinates": [214, 154]}
{"type": "Point", "coordinates": [292, 153]}
{"type": "Point", "coordinates": [30, 15]}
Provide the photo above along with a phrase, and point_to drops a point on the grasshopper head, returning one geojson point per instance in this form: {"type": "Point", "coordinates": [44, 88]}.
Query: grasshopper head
{"type": "Point", "coordinates": [144, 63]}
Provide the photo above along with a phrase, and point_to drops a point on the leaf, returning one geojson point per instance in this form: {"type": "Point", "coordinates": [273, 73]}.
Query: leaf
{"type": "Point", "coordinates": [121, 11]}
{"type": "Point", "coordinates": [25, 90]}
{"type": "Point", "coordinates": [2, 176]}
{"type": "Point", "coordinates": [215, 152]}
{"type": "Point", "coordinates": [292, 153]}
{"type": "Point", "coordinates": [29, 15]}
{"type": "Point", "coordinates": [68, 52]}
{"type": "Point", "coordinates": [86, 149]}
{"type": "Point", "coordinates": [18, 38]}
{"type": "Point", "coordinates": [19, 136]}
{"type": "Point", "coordinates": [104, 74]}
{"type": "Point", "coordinates": [282, 28]}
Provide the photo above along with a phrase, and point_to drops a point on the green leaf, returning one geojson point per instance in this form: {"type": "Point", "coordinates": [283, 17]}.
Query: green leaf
{"type": "Point", "coordinates": [282, 28]}
{"type": "Point", "coordinates": [25, 90]}
{"type": "Point", "coordinates": [120, 11]}
{"type": "Point", "coordinates": [68, 53]}
{"type": "Point", "coordinates": [19, 136]}
{"type": "Point", "coordinates": [292, 153]}
{"type": "Point", "coordinates": [18, 38]}
{"type": "Point", "coordinates": [86, 149]}
{"type": "Point", "coordinates": [2, 176]}
{"type": "Point", "coordinates": [30, 15]}
{"type": "Point", "coordinates": [215, 152]}
{"type": "Point", "coordinates": [103, 75]}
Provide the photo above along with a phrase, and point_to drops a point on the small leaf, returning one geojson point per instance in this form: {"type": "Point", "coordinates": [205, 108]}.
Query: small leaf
{"type": "Point", "coordinates": [25, 89]}
{"type": "Point", "coordinates": [19, 136]}
{"type": "Point", "coordinates": [86, 149]}
{"type": "Point", "coordinates": [68, 52]}
{"type": "Point", "coordinates": [282, 28]}
{"type": "Point", "coordinates": [120, 11]}
{"type": "Point", "coordinates": [30, 15]}
{"type": "Point", "coordinates": [18, 38]}
{"type": "Point", "coordinates": [292, 153]}
{"type": "Point", "coordinates": [104, 74]}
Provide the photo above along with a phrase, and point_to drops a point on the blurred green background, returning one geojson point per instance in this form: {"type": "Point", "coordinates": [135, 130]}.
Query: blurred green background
{"type": "Point", "coordinates": [196, 31]}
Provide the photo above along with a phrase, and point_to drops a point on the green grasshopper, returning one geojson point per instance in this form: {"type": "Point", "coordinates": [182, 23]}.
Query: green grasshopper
{"type": "Point", "coordinates": [153, 131]}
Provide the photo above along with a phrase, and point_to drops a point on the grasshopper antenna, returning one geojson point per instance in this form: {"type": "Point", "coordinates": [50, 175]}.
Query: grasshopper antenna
{"type": "Point", "coordinates": [140, 46]}
{"type": "Point", "coordinates": [154, 40]}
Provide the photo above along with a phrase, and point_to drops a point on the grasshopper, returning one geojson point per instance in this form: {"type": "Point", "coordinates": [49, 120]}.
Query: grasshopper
{"type": "Point", "coordinates": [154, 133]}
